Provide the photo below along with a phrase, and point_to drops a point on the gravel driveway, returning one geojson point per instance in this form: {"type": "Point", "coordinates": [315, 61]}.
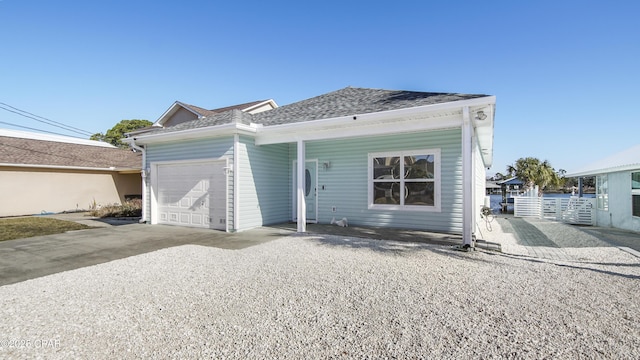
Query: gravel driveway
{"type": "Point", "coordinates": [328, 297]}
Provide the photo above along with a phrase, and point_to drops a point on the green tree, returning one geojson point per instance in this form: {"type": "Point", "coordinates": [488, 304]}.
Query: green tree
{"type": "Point", "coordinates": [117, 132]}
{"type": "Point", "coordinates": [497, 177]}
{"type": "Point", "coordinates": [534, 172]}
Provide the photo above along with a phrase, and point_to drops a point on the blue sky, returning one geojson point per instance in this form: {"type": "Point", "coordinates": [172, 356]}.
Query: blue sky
{"type": "Point", "coordinates": [565, 73]}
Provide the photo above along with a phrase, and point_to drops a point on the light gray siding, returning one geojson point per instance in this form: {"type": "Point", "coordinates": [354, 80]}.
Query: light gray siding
{"type": "Point", "coordinates": [620, 213]}
{"type": "Point", "coordinates": [263, 194]}
{"type": "Point", "coordinates": [190, 150]}
{"type": "Point", "coordinates": [344, 184]}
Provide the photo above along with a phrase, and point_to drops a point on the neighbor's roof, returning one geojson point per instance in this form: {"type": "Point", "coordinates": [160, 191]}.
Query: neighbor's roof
{"type": "Point", "coordinates": [226, 117]}
{"type": "Point", "coordinates": [511, 181]}
{"type": "Point", "coordinates": [219, 116]}
{"type": "Point", "coordinates": [22, 151]}
{"type": "Point", "coordinates": [625, 160]}
{"type": "Point", "coordinates": [51, 137]}
{"type": "Point", "coordinates": [204, 112]}
{"type": "Point", "coordinates": [492, 185]}
{"type": "Point", "coordinates": [345, 102]}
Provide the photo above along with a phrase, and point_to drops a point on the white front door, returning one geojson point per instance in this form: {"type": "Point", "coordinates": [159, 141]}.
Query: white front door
{"type": "Point", "coordinates": [192, 194]}
{"type": "Point", "coordinates": [310, 190]}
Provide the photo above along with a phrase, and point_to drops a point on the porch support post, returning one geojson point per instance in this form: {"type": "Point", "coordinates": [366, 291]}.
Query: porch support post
{"type": "Point", "coordinates": [580, 184]}
{"type": "Point", "coordinates": [467, 178]}
{"type": "Point", "coordinates": [302, 206]}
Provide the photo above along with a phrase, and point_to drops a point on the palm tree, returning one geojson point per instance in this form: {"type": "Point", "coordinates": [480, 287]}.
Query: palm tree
{"type": "Point", "coordinates": [533, 172]}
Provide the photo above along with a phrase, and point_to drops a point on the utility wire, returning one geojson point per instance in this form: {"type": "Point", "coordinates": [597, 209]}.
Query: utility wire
{"type": "Point", "coordinates": [44, 120]}
{"type": "Point", "coordinates": [30, 128]}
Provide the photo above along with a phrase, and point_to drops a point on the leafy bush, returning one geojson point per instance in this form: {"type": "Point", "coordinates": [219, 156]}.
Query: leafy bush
{"type": "Point", "coordinates": [131, 208]}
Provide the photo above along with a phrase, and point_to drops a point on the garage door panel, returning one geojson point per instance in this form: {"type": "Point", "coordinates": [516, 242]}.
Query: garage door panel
{"type": "Point", "coordinates": [192, 194]}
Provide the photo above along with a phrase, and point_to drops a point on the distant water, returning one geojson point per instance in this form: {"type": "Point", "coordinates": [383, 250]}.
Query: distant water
{"type": "Point", "coordinates": [496, 199]}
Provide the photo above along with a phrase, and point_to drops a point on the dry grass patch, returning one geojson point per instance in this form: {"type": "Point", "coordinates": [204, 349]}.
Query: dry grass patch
{"type": "Point", "coordinates": [24, 227]}
{"type": "Point", "coordinates": [131, 208]}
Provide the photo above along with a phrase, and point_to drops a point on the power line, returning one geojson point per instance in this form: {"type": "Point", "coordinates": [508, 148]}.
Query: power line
{"type": "Point", "coordinates": [30, 128]}
{"type": "Point", "coordinates": [41, 117]}
{"type": "Point", "coordinates": [45, 120]}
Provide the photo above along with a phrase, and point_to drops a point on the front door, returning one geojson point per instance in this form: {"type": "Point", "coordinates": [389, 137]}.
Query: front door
{"type": "Point", "coordinates": [310, 190]}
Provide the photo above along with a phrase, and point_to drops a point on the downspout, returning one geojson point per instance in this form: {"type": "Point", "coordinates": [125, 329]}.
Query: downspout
{"type": "Point", "coordinates": [144, 175]}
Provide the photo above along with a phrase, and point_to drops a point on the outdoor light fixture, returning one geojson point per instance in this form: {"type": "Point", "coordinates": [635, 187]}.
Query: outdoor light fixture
{"type": "Point", "coordinates": [480, 115]}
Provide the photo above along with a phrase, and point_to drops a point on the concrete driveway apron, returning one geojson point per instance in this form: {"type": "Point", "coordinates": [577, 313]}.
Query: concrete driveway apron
{"type": "Point", "coordinates": [24, 259]}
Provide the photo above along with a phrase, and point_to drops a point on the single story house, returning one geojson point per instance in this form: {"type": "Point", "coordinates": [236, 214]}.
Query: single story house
{"type": "Point", "coordinates": [384, 158]}
{"type": "Point", "coordinates": [508, 189]}
{"type": "Point", "coordinates": [617, 189]}
{"type": "Point", "coordinates": [492, 188]}
{"type": "Point", "coordinates": [51, 173]}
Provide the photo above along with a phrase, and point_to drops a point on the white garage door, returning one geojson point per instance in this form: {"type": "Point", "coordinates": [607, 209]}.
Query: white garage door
{"type": "Point", "coordinates": [192, 194]}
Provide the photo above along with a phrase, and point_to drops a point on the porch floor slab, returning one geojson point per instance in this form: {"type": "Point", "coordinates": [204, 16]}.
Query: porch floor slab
{"type": "Point", "coordinates": [395, 234]}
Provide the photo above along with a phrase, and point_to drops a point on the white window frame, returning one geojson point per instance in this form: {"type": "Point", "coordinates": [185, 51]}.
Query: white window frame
{"type": "Point", "coordinates": [602, 197]}
{"type": "Point", "coordinates": [401, 154]}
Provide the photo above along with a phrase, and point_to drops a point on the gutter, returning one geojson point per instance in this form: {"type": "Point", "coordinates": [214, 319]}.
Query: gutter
{"type": "Point", "coordinates": [594, 172]}
{"type": "Point", "coordinates": [61, 167]}
{"type": "Point", "coordinates": [196, 133]}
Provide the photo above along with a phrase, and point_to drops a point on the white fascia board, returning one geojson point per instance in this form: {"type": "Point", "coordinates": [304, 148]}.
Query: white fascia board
{"type": "Point", "coordinates": [485, 133]}
{"type": "Point", "coordinates": [197, 133]}
{"type": "Point", "coordinates": [166, 113]}
{"type": "Point", "coordinates": [60, 167]}
{"type": "Point", "coordinates": [595, 172]}
{"type": "Point", "coordinates": [270, 101]}
{"type": "Point", "coordinates": [352, 129]}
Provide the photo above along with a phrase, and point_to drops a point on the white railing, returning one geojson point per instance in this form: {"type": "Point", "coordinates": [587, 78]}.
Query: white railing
{"type": "Point", "coordinates": [526, 206]}
{"type": "Point", "coordinates": [573, 210]}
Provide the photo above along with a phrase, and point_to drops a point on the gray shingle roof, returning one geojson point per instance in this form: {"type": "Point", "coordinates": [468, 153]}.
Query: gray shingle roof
{"type": "Point", "coordinates": [344, 102]}
{"type": "Point", "coordinates": [15, 150]}
{"type": "Point", "coordinates": [350, 101]}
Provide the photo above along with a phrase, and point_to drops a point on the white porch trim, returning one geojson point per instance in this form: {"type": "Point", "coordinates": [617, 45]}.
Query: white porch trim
{"type": "Point", "coordinates": [467, 177]}
{"type": "Point", "coordinates": [302, 206]}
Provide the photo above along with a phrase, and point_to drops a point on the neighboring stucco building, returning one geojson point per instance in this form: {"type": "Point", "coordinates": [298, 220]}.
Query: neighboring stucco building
{"type": "Point", "coordinates": [400, 159]}
{"type": "Point", "coordinates": [49, 173]}
{"type": "Point", "coordinates": [617, 189]}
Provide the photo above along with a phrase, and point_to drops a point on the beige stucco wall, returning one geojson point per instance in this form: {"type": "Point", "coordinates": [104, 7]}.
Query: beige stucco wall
{"type": "Point", "coordinates": [25, 191]}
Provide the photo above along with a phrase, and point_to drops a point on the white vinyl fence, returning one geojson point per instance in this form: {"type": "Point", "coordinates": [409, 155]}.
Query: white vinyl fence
{"type": "Point", "coordinates": [573, 210]}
